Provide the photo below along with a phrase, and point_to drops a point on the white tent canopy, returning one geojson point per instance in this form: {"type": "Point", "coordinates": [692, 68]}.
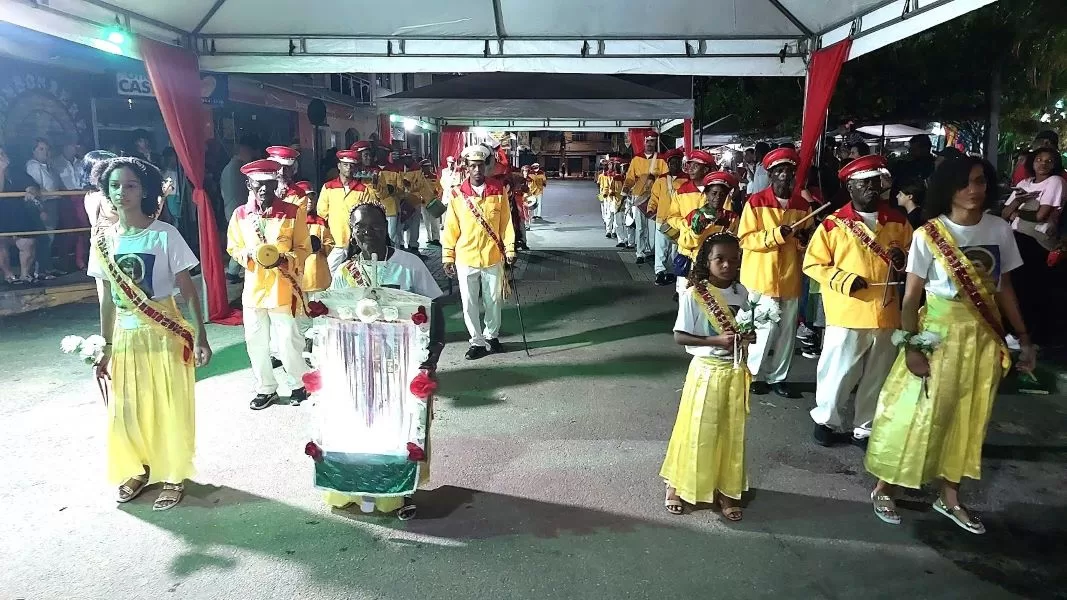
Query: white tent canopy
{"type": "Point", "coordinates": [678, 37]}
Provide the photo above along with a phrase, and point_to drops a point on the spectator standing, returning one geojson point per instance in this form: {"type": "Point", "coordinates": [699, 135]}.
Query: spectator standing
{"type": "Point", "coordinates": [760, 179]}
{"type": "Point", "coordinates": [142, 147]}
{"type": "Point", "coordinates": [39, 169]}
{"type": "Point", "coordinates": [235, 191]}
{"type": "Point", "coordinates": [17, 214]}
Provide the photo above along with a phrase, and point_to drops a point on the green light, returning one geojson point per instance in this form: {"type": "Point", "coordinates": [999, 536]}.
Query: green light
{"type": "Point", "coordinates": [116, 37]}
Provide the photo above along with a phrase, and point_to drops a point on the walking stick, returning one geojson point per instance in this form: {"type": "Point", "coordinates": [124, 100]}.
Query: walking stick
{"type": "Point", "coordinates": [518, 309]}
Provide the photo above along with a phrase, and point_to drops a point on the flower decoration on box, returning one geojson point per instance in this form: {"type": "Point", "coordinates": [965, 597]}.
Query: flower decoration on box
{"type": "Point", "coordinates": [90, 349]}
{"type": "Point", "coordinates": [423, 386]}
{"type": "Point", "coordinates": [317, 309]}
{"type": "Point", "coordinates": [925, 341]}
{"type": "Point", "coordinates": [420, 317]}
{"type": "Point", "coordinates": [415, 452]}
{"type": "Point", "coordinates": [368, 310]}
{"type": "Point", "coordinates": [312, 449]}
{"type": "Point", "coordinates": [312, 381]}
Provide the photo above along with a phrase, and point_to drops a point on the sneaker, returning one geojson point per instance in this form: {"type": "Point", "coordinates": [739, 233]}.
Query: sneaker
{"type": "Point", "coordinates": [434, 243]}
{"type": "Point", "coordinates": [661, 280]}
{"type": "Point", "coordinates": [495, 346]}
{"type": "Point", "coordinates": [262, 401]}
{"type": "Point", "coordinates": [825, 436]}
{"type": "Point", "coordinates": [1013, 342]}
{"type": "Point", "coordinates": [810, 352]}
{"type": "Point", "coordinates": [631, 246]}
{"type": "Point", "coordinates": [607, 235]}
{"type": "Point", "coordinates": [785, 390]}
{"type": "Point", "coordinates": [297, 396]}
{"type": "Point", "coordinates": [620, 245]}
{"type": "Point", "coordinates": [860, 442]}
{"type": "Point", "coordinates": [640, 260]}
{"type": "Point", "coordinates": [803, 332]}
{"type": "Point", "coordinates": [476, 352]}
{"type": "Point", "coordinates": [759, 388]}
{"type": "Point", "coordinates": [275, 362]}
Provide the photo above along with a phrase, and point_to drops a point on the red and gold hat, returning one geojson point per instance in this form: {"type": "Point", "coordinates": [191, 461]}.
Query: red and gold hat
{"type": "Point", "coordinates": [780, 156]}
{"type": "Point", "coordinates": [864, 167]}
{"type": "Point", "coordinates": [348, 156]}
{"type": "Point", "coordinates": [721, 178]}
{"type": "Point", "coordinates": [535, 166]}
{"type": "Point", "coordinates": [304, 186]}
{"type": "Point", "coordinates": [360, 146]}
{"type": "Point", "coordinates": [262, 170]}
{"type": "Point", "coordinates": [702, 157]}
{"type": "Point", "coordinates": [676, 153]}
{"type": "Point", "coordinates": [283, 155]}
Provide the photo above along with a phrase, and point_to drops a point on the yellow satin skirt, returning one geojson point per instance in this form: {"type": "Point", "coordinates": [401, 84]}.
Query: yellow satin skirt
{"type": "Point", "coordinates": [152, 413]}
{"type": "Point", "coordinates": [707, 448]}
{"type": "Point", "coordinates": [935, 429]}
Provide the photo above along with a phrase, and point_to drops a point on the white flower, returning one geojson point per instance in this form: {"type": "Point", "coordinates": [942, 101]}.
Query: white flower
{"type": "Point", "coordinates": [346, 313]}
{"type": "Point", "coordinates": [926, 339]}
{"type": "Point", "coordinates": [768, 313]}
{"type": "Point", "coordinates": [71, 343]}
{"type": "Point", "coordinates": [95, 341]}
{"type": "Point", "coordinates": [390, 313]}
{"type": "Point", "coordinates": [368, 311]}
{"type": "Point", "coordinates": [899, 337]}
{"type": "Point", "coordinates": [743, 316]}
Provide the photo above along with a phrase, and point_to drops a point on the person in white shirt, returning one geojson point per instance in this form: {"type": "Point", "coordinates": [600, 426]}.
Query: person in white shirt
{"type": "Point", "coordinates": [39, 168]}
{"type": "Point", "coordinates": [760, 180]}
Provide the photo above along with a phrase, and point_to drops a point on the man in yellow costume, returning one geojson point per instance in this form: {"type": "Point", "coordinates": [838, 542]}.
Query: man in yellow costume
{"type": "Point", "coordinates": [432, 190]}
{"type": "Point", "coordinates": [663, 192]}
{"type": "Point", "coordinates": [771, 271]}
{"type": "Point", "coordinates": [861, 244]}
{"type": "Point", "coordinates": [607, 205]}
{"type": "Point", "coordinates": [269, 238]}
{"type": "Point", "coordinates": [339, 196]}
{"type": "Point", "coordinates": [286, 157]}
{"type": "Point", "coordinates": [537, 182]}
{"type": "Point", "coordinates": [479, 239]}
{"type": "Point", "coordinates": [413, 199]}
{"type": "Point", "coordinates": [642, 174]}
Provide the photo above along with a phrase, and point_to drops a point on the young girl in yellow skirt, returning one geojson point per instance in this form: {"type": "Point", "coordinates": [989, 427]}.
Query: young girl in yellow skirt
{"type": "Point", "coordinates": [151, 350]}
{"type": "Point", "coordinates": [934, 408]}
{"type": "Point", "coordinates": [706, 455]}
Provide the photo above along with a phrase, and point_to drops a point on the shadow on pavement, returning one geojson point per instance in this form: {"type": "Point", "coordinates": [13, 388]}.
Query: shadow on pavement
{"type": "Point", "coordinates": [228, 359]}
{"type": "Point", "coordinates": [470, 543]}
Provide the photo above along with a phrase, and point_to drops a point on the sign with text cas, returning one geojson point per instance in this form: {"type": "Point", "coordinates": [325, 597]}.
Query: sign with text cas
{"type": "Point", "coordinates": [214, 88]}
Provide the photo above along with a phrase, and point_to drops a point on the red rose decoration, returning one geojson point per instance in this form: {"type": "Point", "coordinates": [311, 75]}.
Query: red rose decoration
{"type": "Point", "coordinates": [415, 453]}
{"type": "Point", "coordinates": [312, 449]}
{"type": "Point", "coordinates": [317, 309]}
{"type": "Point", "coordinates": [312, 381]}
{"type": "Point", "coordinates": [420, 316]}
{"type": "Point", "coordinates": [423, 386]}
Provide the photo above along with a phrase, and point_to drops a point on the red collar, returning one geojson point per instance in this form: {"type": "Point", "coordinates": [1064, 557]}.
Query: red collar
{"type": "Point", "coordinates": [885, 214]}
{"type": "Point", "coordinates": [492, 188]}
{"type": "Point", "coordinates": [767, 199]}
{"type": "Point", "coordinates": [354, 185]}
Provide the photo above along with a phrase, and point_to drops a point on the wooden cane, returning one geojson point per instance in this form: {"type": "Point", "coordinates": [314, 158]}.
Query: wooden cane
{"type": "Point", "coordinates": [810, 215]}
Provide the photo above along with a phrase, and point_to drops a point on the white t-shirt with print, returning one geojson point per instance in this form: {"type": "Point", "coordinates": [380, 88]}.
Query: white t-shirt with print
{"type": "Point", "coordinates": [151, 257]}
{"type": "Point", "coordinates": [403, 270]}
{"type": "Point", "coordinates": [692, 319]}
{"type": "Point", "coordinates": [1050, 193]}
{"type": "Point", "coordinates": [989, 245]}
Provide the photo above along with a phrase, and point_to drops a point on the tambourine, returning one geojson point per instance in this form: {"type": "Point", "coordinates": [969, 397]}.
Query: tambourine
{"type": "Point", "coordinates": [630, 222]}
{"type": "Point", "coordinates": [666, 229]}
{"type": "Point", "coordinates": [530, 201]}
{"type": "Point", "coordinates": [436, 208]}
{"type": "Point", "coordinates": [267, 255]}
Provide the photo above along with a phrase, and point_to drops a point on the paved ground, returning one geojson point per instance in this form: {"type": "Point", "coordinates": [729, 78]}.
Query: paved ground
{"type": "Point", "coordinates": [544, 479]}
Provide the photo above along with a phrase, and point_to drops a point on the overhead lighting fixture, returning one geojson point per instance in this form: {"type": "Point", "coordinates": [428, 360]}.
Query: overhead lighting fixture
{"type": "Point", "coordinates": [410, 125]}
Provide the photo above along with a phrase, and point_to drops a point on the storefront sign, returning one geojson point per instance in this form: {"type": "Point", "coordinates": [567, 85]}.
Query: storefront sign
{"type": "Point", "coordinates": [213, 88]}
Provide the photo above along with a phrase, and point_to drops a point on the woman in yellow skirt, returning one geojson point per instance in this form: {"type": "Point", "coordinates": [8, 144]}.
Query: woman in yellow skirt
{"type": "Point", "coordinates": [706, 454]}
{"type": "Point", "coordinates": [151, 349]}
{"type": "Point", "coordinates": [934, 408]}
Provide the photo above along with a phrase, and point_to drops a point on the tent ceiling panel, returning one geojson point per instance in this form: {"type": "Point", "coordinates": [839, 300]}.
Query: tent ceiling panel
{"type": "Point", "coordinates": [825, 14]}
{"type": "Point", "coordinates": [577, 108]}
{"type": "Point", "coordinates": [184, 15]}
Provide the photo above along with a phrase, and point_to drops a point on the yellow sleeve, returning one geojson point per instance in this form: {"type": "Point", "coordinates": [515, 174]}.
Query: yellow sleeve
{"type": "Point", "coordinates": [631, 178]}
{"type": "Point", "coordinates": [301, 245]}
{"type": "Point", "coordinates": [451, 234]}
{"type": "Point", "coordinates": [819, 264]}
{"type": "Point", "coordinates": [675, 218]}
{"type": "Point", "coordinates": [235, 242]}
{"type": "Point", "coordinates": [753, 237]}
{"type": "Point", "coordinates": [327, 240]}
{"type": "Point", "coordinates": [509, 230]}
{"type": "Point", "coordinates": [322, 207]}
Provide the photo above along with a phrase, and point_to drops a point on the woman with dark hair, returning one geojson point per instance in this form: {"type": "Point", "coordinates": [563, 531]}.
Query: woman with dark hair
{"type": "Point", "coordinates": [151, 349]}
{"type": "Point", "coordinates": [1031, 209]}
{"type": "Point", "coordinates": [910, 198]}
{"type": "Point", "coordinates": [98, 207]}
{"type": "Point", "coordinates": [705, 459]}
{"type": "Point", "coordinates": [17, 214]}
{"type": "Point", "coordinates": [934, 407]}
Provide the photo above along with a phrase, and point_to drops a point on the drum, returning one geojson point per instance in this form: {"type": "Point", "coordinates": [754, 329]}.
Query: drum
{"type": "Point", "coordinates": [669, 231]}
{"type": "Point", "coordinates": [267, 255]}
{"type": "Point", "coordinates": [436, 208]}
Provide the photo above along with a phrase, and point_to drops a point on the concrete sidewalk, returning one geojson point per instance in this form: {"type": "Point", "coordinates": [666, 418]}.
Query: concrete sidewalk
{"type": "Point", "coordinates": [545, 481]}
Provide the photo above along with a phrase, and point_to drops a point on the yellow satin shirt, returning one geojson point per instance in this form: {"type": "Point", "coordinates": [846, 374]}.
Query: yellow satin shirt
{"type": "Point", "coordinates": [835, 257]}
{"type": "Point", "coordinates": [316, 267]}
{"type": "Point", "coordinates": [638, 182]}
{"type": "Point", "coordinates": [336, 201]}
{"type": "Point", "coordinates": [536, 182]}
{"type": "Point", "coordinates": [284, 225]}
{"type": "Point", "coordinates": [771, 265]}
{"type": "Point", "coordinates": [465, 240]}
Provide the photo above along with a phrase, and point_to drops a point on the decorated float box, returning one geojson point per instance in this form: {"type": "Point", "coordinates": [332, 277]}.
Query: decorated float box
{"type": "Point", "coordinates": [371, 396]}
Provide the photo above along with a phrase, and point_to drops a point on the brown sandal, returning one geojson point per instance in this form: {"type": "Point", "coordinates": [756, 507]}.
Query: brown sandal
{"type": "Point", "coordinates": [673, 505]}
{"type": "Point", "coordinates": [731, 513]}
{"type": "Point", "coordinates": [170, 496]}
{"type": "Point", "coordinates": [132, 488]}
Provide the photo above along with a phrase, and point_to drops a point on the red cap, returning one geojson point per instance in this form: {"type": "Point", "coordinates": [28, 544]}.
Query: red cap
{"type": "Point", "coordinates": [360, 146]}
{"type": "Point", "coordinates": [864, 167]}
{"type": "Point", "coordinates": [262, 170]}
{"type": "Point", "coordinates": [721, 178]}
{"type": "Point", "coordinates": [779, 156]}
{"type": "Point", "coordinates": [702, 157]}
{"type": "Point", "coordinates": [348, 156]}
{"type": "Point", "coordinates": [304, 186]}
{"type": "Point", "coordinates": [676, 153]}
{"type": "Point", "coordinates": [283, 155]}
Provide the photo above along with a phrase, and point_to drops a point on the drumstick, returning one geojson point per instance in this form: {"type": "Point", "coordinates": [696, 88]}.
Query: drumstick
{"type": "Point", "coordinates": [810, 215]}
{"type": "Point", "coordinates": [885, 283]}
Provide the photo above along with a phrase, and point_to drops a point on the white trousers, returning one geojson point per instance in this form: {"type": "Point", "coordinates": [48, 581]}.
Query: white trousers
{"type": "Point", "coordinates": [624, 233]}
{"type": "Point", "coordinates": [394, 230]}
{"type": "Point", "coordinates": [481, 291]}
{"type": "Point", "coordinates": [850, 357]}
{"type": "Point", "coordinates": [432, 226]}
{"type": "Point", "coordinates": [644, 227]}
{"type": "Point", "coordinates": [770, 357]}
{"type": "Point", "coordinates": [410, 230]}
{"type": "Point", "coordinates": [607, 211]}
{"type": "Point", "coordinates": [262, 327]}
{"type": "Point", "coordinates": [665, 251]}
{"type": "Point", "coordinates": [539, 198]}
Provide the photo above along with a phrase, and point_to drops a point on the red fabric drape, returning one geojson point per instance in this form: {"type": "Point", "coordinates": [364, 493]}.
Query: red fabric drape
{"type": "Point", "coordinates": [687, 135]}
{"type": "Point", "coordinates": [385, 131]}
{"type": "Point", "coordinates": [175, 76]}
{"type": "Point", "coordinates": [451, 144]}
{"type": "Point", "coordinates": [823, 70]}
{"type": "Point", "coordinates": [637, 139]}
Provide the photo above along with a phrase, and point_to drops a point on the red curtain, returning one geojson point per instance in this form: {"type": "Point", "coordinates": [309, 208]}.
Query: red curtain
{"type": "Point", "coordinates": [687, 134]}
{"type": "Point", "coordinates": [823, 70]}
{"type": "Point", "coordinates": [175, 76]}
{"type": "Point", "coordinates": [385, 131]}
{"type": "Point", "coordinates": [451, 144]}
{"type": "Point", "coordinates": [637, 139]}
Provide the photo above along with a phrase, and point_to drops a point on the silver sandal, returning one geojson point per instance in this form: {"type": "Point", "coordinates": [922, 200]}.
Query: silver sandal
{"type": "Point", "coordinates": [885, 508]}
{"type": "Point", "coordinates": [127, 492]}
{"type": "Point", "coordinates": [171, 495]}
{"type": "Point", "coordinates": [972, 524]}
